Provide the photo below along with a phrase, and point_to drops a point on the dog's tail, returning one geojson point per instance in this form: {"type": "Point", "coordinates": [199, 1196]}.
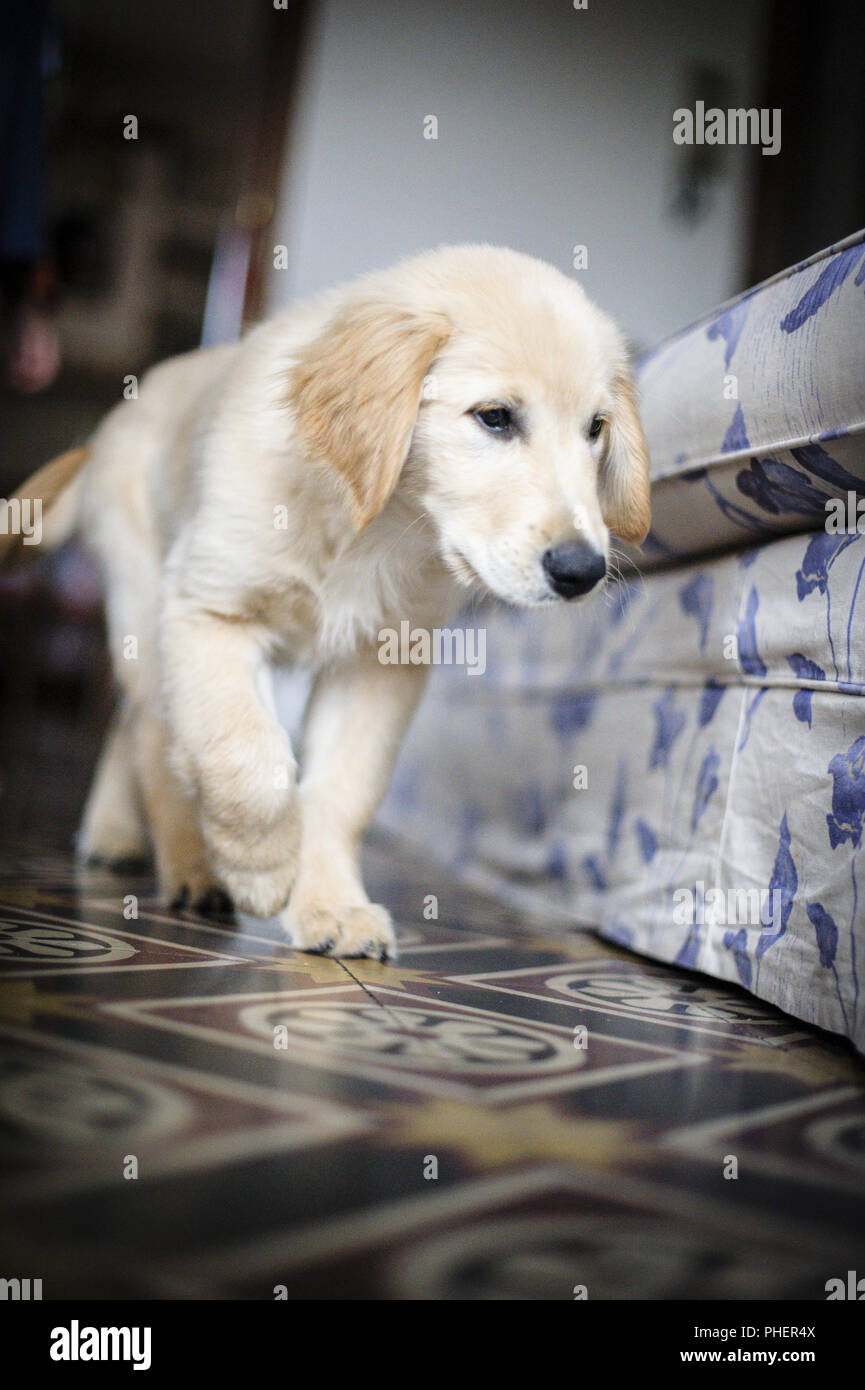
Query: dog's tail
{"type": "Point", "coordinates": [42, 513]}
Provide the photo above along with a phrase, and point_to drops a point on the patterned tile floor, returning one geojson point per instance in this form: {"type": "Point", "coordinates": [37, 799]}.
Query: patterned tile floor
{"type": "Point", "coordinates": [502, 1114]}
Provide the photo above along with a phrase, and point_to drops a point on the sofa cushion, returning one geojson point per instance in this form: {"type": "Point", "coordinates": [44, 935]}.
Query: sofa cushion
{"type": "Point", "coordinates": [756, 414]}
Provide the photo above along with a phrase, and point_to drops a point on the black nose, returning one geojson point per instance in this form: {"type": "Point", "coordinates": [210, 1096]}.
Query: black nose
{"type": "Point", "coordinates": [573, 568]}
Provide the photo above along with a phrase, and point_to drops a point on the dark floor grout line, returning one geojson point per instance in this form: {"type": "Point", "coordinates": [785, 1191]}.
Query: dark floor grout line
{"type": "Point", "coordinates": [400, 1027]}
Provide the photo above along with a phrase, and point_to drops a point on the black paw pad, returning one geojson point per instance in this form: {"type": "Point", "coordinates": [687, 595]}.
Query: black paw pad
{"type": "Point", "coordinates": [214, 902]}
{"type": "Point", "coordinates": [322, 948]}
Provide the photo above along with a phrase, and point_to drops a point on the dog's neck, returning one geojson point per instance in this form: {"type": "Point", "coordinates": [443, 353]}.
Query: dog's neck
{"type": "Point", "coordinates": [391, 571]}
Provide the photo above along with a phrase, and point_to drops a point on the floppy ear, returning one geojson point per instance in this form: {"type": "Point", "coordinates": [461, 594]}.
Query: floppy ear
{"type": "Point", "coordinates": [356, 391]}
{"type": "Point", "coordinates": [625, 472]}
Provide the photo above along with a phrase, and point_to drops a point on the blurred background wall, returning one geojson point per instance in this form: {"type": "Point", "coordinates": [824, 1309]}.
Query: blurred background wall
{"type": "Point", "coordinates": [554, 130]}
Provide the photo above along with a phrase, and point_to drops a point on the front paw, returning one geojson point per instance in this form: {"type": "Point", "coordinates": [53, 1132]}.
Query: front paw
{"type": "Point", "coordinates": [364, 929]}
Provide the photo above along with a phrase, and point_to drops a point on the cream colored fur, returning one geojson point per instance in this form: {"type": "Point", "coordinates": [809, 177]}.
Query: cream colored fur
{"type": "Point", "coordinates": [286, 498]}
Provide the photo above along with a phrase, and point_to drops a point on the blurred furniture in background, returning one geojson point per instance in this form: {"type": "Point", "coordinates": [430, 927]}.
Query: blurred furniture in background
{"type": "Point", "coordinates": [165, 134]}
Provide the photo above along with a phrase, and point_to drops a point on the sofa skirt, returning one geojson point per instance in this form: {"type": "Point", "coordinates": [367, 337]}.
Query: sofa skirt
{"type": "Point", "coordinates": [679, 764]}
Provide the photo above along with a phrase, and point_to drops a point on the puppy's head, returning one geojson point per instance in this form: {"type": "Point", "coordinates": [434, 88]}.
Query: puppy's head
{"type": "Point", "coordinates": [486, 384]}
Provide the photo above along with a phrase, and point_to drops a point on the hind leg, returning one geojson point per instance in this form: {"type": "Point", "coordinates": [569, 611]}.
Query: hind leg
{"type": "Point", "coordinates": [185, 877]}
{"type": "Point", "coordinates": [136, 807]}
{"type": "Point", "coordinates": [113, 829]}
{"type": "Point", "coordinates": [136, 800]}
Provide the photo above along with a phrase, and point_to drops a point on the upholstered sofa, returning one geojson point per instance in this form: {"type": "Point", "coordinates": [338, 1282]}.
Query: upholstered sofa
{"type": "Point", "coordinates": [702, 726]}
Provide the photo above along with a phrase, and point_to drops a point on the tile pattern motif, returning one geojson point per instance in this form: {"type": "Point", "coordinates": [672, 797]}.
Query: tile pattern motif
{"type": "Point", "coordinates": [502, 1114]}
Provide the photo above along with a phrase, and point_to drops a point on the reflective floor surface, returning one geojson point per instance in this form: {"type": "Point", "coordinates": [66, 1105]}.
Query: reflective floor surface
{"type": "Point", "coordinates": [191, 1109]}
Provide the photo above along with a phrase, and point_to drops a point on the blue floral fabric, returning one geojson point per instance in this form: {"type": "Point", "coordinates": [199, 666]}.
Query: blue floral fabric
{"type": "Point", "coordinates": [756, 414]}
{"type": "Point", "coordinates": [681, 762]}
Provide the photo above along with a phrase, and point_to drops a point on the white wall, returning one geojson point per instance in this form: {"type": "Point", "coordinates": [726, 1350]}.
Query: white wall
{"type": "Point", "coordinates": [555, 128]}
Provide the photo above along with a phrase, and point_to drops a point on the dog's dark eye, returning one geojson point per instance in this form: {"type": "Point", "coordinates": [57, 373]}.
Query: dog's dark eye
{"type": "Point", "coordinates": [498, 419]}
{"type": "Point", "coordinates": [596, 426]}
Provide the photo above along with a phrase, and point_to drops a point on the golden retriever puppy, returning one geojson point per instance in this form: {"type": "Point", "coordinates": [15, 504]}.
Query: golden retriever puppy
{"type": "Point", "coordinates": [464, 420]}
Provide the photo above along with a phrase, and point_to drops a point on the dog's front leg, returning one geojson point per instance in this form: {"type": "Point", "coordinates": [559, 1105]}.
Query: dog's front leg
{"type": "Point", "coordinates": [231, 754]}
{"type": "Point", "coordinates": [357, 715]}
